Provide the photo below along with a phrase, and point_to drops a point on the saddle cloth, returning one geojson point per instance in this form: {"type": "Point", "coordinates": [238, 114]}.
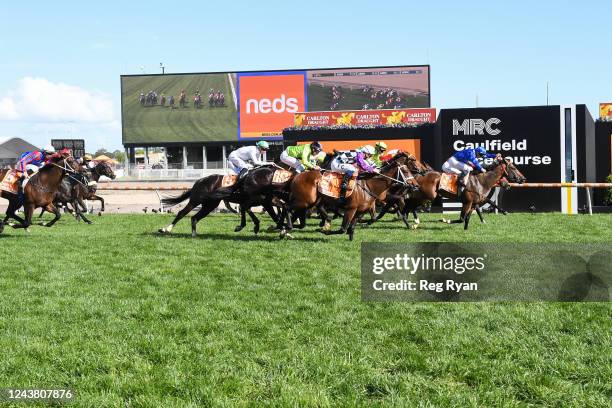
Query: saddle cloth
{"type": "Point", "coordinates": [281, 176]}
{"type": "Point", "coordinates": [448, 183]}
{"type": "Point", "coordinates": [330, 184]}
{"type": "Point", "coordinates": [229, 180]}
{"type": "Point", "coordinates": [10, 182]}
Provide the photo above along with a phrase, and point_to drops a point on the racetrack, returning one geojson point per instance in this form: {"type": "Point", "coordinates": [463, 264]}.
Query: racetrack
{"type": "Point", "coordinates": [151, 124]}
{"type": "Point", "coordinates": [228, 318]}
{"type": "Point", "coordinates": [319, 99]}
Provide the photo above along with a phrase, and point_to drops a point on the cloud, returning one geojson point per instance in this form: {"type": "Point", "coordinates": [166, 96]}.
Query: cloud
{"type": "Point", "coordinates": [40, 100]}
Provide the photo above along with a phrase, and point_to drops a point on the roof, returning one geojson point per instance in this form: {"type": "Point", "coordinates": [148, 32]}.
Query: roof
{"type": "Point", "coordinates": [14, 147]}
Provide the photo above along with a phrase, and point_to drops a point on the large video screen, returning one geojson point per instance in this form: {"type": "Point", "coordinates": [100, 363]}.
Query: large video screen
{"type": "Point", "coordinates": [219, 107]}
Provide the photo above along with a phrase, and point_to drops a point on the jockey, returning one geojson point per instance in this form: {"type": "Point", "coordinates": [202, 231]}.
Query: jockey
{"type": "Point", "coordinates": [244, 158]}
{"type": "Point", "coordinates": [33, 160]}
{"type": "Point", "coordinates": [88, 162]}
{"type": "Point", "coordinates": [302, 157]}
{"type": "Point", "coordinates": [379, 149]}
{"type": "Point", "coordinates": [349, 162]}
{"type": "Point", "coordinates": [463, 162]}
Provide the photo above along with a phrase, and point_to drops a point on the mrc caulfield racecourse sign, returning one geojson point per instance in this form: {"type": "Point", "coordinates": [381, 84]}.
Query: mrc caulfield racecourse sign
{"type": "Point", "coordinates": [529, 136]}
{"type": "Point", "coordinates": [514, 148]}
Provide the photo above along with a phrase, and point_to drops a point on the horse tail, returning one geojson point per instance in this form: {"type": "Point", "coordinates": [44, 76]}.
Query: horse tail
{"type": "Point", "coordinates": [172, 201]}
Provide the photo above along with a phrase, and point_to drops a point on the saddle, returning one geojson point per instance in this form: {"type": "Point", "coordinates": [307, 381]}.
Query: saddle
{"type": "Point", "coordinates": [330, 184]}
{"type": "Point", "coordinates": [229, 180]}
{"type": "Point", "coordinates": [10, 183]}
{"type": "Point", "coordinates": [448, 183]}
{"type": "Point", "coordinates": [281, 176]}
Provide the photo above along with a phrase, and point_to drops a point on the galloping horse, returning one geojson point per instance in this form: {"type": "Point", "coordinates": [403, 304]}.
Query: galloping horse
{"type": "Point", "coordinates": [40, 191]}
{"type": "Point", "coordinates": [479, 186]}
{"type": "Point", "coordinates": [256, 188]}
{"type": "Point", "coordinates": [372, 186]}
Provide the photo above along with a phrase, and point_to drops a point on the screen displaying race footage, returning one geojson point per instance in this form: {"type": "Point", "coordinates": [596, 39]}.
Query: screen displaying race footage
{"type": "Point", "coordinates": [221, 107]}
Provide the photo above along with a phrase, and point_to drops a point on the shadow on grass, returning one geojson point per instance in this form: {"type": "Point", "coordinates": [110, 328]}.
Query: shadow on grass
{"type": "Point", "coordinates": [234, 237]}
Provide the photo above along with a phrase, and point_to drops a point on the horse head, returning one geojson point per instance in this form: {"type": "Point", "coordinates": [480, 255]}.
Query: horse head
{"type": "Point", "coordinates": [104, 169]}
{"type": "Point", "coordinates": [509, 170]}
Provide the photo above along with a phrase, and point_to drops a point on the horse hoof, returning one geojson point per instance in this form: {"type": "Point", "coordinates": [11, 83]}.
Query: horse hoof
{"type": "Point", "coordinates": [10, 224]}
{"type": "Point", "coordinates": [288, 236]}
{"type": "Point", "coordinates": [272, 228]}
{"type": "Point", "coordinates": [100, 214]}
{"type": "Point", "coordinates": [89, 222]}
{"type": "Point", "coordinates": [256, 229]}
{"type": "Point", "coordinates": [43, 224]}
{"type": "Point", "coordinates": [162, 231]}
{"type": "Point", "coordinates": [414, 226]}
{"type": "Point", "coordinates": [28, 230]}
{"type": "Point", "coordinates": [194, 235]}
{"type": "Point", "coordinates": [238, 229]}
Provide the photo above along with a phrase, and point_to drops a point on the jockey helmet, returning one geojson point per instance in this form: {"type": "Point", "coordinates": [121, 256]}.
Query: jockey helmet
{"type": "Point", "coordinates": [87, 157]}
{"type": "Point", "coordinates": [49, 149]}
{"type": "Point", "coordinates": [480, 151]}
{"type": "Point", "coordinates": [316, 147]}
{"type": "Point", "coordinates": [381, 146]}
{"type": "Point", "coordinates": [263, 145]}
{"type": "Point", "coordinates": [368, 149]}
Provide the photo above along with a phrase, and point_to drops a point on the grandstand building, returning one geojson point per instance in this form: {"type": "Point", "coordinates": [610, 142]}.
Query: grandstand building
{"type": "Point", "coordinates": [11, 149]}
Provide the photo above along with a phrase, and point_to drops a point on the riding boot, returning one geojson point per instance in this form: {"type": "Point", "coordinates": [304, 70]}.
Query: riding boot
{"type": "Point", "coordinates": [344, 186]}
{"type": "Point", "coordinates": [461, 183]}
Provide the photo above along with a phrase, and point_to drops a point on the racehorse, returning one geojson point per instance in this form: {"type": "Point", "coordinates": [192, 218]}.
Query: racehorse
{"type": "Point", "coordinates": [197, 101]}
{"type": "Point", "coordinates": [40, 190]}
{"type": "Point", "coordinates": [304, 194]}
{"type": "Point", "coordinates": [256, 188]}
{"type": "Point", "coordinates": [183, 100]}
{"type": "Point", "coordinates": [77, 187]}
{"type": "Point", "coordinates": [479, 186]}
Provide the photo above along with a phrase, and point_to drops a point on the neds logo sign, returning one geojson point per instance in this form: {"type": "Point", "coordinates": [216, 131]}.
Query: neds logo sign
{"type": "Point", "coordinates": [268, 102]}
{"type": "Point", "coordinates": [277, 105]}
{"type": "Point", "coordinates": [473, 127]}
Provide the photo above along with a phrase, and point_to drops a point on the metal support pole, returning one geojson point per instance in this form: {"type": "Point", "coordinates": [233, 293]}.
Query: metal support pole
{"type": "Point", "coordinates": [184, 157]}
{"type": "Point", "coordinates": [146, 157]}
{"type": "Point", "coordinates": [588, 194]}
{"type": "Point", "coordinates": [204, 158]}
{"type": "Point", "coordinates": [224, 157]}
{"type": "Point", "coordinates": [127, 161]}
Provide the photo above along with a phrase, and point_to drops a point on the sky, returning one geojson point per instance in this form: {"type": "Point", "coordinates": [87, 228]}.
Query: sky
{"type": "Point", "coordinates": [60, 62]}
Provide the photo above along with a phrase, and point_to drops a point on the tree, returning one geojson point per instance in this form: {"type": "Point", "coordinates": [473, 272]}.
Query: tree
{"type": "Point", "coordinates": [119, 156]}
{"type": "Point", "coordinates": [104, 152]}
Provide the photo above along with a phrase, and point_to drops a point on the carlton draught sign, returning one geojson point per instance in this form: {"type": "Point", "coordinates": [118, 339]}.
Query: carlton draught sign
{"type": "Point", "coordinates": [529, 136]}
{"type": "Point", "coordinates": [365, 117]}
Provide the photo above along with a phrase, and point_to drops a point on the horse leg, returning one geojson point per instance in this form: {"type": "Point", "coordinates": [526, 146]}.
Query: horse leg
{"type": "Point", "coordinates": [28, 209]}
{"type": "Point", "coordinates": [254, 219]}
{"type": "Point", "coordinates": [467, 212]}
{"type": "Point", "coordinates": [267, 205]}
{"type": "Point", "coordinates": [79, 201]}
{"type": "Point", "coordinates": [351, 228]}
{"type": "Point", "coordinates": [325, 223]}
{"type": "Point", "coordinates": [204, 211]}
{"type": "Point", "coordinates": [242, 220]}
{"type": "Point", "coordinates": [168, 229]}
{"type": "Point", "coordinates": [11, 212]}
{"type": "Point", "coordinates": [101, 200]}
{"type": "Point", "coordinates": [384, 211]}
{"type": "Point", "coordinates": [479, 212]}
{"type": "Point", "coordinates": [349, 214]}
{"type": "Point", "coordinates": [495, 206]}
{"type": "Point", "coordinates": [54, 210]}
{"type": "Point", "coordinates": [42, 211]}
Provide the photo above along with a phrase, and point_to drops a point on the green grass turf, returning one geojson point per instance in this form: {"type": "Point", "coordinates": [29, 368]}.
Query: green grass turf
{"type": "Point", "coordinates": [129, 318]}
{"type": "Point", "coordinates": [152, 124]}
{"type": "Point", "coordinates": [319, 99]}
